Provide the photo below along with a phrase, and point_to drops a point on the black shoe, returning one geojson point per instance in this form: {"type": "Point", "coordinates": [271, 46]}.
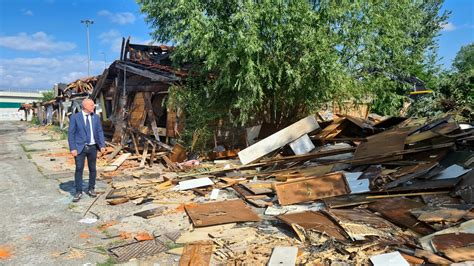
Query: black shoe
{"type": "Point", "coordinates": [92, 193]}
{"type": "Point", "coordinates": [77, 197]}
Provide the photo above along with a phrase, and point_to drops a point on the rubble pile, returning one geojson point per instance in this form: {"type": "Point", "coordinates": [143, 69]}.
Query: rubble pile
{"type": "Point", "coordinates": [349, 190]}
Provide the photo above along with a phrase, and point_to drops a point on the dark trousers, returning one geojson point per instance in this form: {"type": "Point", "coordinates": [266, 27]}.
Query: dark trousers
{"type": "Point", "coordinates": [91, 153]}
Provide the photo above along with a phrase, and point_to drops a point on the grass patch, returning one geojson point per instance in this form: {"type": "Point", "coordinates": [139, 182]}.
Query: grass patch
{"type": "Point", "coordinates": [35, 121]}
{"type": "Point", "coordinates": [108, 262]}
{"type": "Point", "coordinates": [101, 249]}
{"type": "Point", "coordinates": [61, 132]}
{"type": "Point", "coordinates": [107, 233]}
{"type": "Point", "coordinates": [28, 156]}
{"type": "Point", "coordinates": [71, 206]}
{"type": "Point", "coordinates": [171, 245]}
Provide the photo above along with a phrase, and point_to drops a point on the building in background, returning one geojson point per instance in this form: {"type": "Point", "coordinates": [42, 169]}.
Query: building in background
{"type": "Point", "coordinates": [11, 101]}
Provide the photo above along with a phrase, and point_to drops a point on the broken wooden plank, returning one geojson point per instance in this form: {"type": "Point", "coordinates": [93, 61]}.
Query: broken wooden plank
{"type": "Point", "coordinates": [151, 117]}
{"type": "Point", "coordinates": [178, 153]}
{"type": "Point", "coordinates": [152, 155]}
{"type": "Point", "coordinates": [310, 189]}
{"type": "Point", "coordinates": [114, 153]}
{"type": "Point", "coordinates": [278, 139]}
{"type": "Point", "coordinates": [117, 163]}
{"type": "Point", "coordinates": [358, 223]}
{"type": "Point", "coordinates": [221, 212]}
{"type": "Point", "coordinates": [460, 254]}
{"type": "Point", "coordinates": [431, 257]}
{"type": "Point", "coordinates": [145, 152]}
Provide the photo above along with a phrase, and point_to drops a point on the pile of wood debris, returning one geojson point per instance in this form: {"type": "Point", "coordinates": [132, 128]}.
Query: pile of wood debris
{"type": "Point", "coordinates": [85, 85]}
{"type": "Point", "coordinates": [397, 190]}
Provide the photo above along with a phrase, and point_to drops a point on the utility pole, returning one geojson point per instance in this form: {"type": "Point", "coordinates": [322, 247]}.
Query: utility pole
{"type": "Point", "coordinates": [88, 22]}
{"type": "Point", "coordinates": [105, 60]}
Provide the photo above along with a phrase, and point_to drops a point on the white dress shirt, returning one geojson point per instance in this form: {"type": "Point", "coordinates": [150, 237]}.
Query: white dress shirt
{"type": "Point", "coordinates": [89, 116]}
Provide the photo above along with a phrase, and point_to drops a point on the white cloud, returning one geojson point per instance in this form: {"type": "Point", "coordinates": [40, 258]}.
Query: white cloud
{"type": "Point", "coordinates": [38, 42]}
{"type": "Point", "coordinates": [44, 72]}
{"type": "Point", "coordinates": [448, 26]}
{"type": "Point", "coordinates": [27, 12]}
{"type": "Point", "coordinates": [120, 18]}
{"type": "Point", "coordinates": [113, 38]}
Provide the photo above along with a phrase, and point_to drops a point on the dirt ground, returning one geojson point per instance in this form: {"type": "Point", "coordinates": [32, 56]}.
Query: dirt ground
{"type": "Point", "coordinates": [40, 225]}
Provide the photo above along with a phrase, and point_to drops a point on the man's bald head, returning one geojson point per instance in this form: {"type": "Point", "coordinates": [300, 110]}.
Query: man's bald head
{"type": "Point", "coordinates": [88, 105]}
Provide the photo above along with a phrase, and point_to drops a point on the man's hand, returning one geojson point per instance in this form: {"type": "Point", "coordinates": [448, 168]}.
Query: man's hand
{"type": "Point", "coordinates": [74, 153]}
{"type": "Point", "coordinates": [102, 150]}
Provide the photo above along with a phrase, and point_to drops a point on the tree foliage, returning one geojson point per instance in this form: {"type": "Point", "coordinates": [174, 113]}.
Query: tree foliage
{"type": "Point", "coordinates": [279, 60]}
{"type": "Point", "coordinates": [454, 92]}
{"type": "Point", "coordinates": [47, 96]}
{"type": "Point", "coordinates": [464, 60]}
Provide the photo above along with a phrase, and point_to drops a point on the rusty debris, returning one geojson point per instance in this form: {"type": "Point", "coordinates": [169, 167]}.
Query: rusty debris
{"type": "Point", "coordinates": [221, 212]}
{"type": "Point", "coordinates": [332, 187]}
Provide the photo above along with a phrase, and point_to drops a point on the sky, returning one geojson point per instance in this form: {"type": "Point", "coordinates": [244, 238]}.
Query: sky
{"type": "Point", "coordinates": [43, 42]}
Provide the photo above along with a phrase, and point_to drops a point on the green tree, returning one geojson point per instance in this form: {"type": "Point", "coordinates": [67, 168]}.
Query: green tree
{"type": "Point", "coordinates": [454, 92]}
{"type": "Point", "coordinates": [47, 95]}
{"type": "Point", "coordinates": [464, 60]}
{"type": "Point", "coordinates": [279, 60]}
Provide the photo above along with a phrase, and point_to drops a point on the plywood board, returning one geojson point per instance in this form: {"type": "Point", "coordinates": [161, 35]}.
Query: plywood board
{"type": "Point", "coordinates": [310, 189]}
{"type": "Point", "coordinates": [389, 141]}
{"type": "Point", "coordinates": [221, 212]}
{"type": "Point", "coordinates": [360, 223]}
{"type": "Point", "coordinates": [137, 114]}
{"type": "Point", "coordinates": [278, 139]}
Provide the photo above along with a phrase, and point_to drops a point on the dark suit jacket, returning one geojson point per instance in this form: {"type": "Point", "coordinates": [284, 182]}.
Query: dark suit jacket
{"type": "Point", "coordinates": [77, 136]}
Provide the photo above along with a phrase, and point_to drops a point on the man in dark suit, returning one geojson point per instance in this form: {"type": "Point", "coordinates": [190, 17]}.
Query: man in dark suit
{"type": "Point", "coordinates": [85, 137]}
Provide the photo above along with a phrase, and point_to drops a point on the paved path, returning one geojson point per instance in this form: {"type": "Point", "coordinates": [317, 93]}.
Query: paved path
{"type": "Point", "coordinates": [35, 223]}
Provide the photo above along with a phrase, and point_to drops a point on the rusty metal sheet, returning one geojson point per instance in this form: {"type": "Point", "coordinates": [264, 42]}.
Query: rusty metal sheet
{"type": "Point", "coordinates": [397, 210]}
{"type": "Point", "coordinates": [140, 249]}
{"type": "Point", "coordinates": [196, 253]}
{"type": "Point", "coordinates": [314, 221]}
{"type": "Point", "coordinates": [150, 213]}
{"type": "Point", "coordinates": [452, 240]}
{"type": "Point", "coordinates": [222, 212]}
{"type": "Point", "coordinates": [310, 189]}
{"type": "Point", "coordinates": [382, 143]}
{"type": "Point", "coordinates": [460, 254]}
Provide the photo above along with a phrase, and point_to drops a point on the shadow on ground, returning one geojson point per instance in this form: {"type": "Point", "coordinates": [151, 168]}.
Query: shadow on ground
{"type": "Point", "coordinates": [71, 188]}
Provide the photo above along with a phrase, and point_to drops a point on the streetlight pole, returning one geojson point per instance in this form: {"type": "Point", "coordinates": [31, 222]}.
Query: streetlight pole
{"type": "Point", "coordinates": [105, 60]}
{"type": "Point", "coordinates": [88, 22]}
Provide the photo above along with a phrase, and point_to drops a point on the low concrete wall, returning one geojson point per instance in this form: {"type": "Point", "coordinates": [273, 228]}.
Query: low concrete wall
{"type": "Point", "coordinates": [12, 114]}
